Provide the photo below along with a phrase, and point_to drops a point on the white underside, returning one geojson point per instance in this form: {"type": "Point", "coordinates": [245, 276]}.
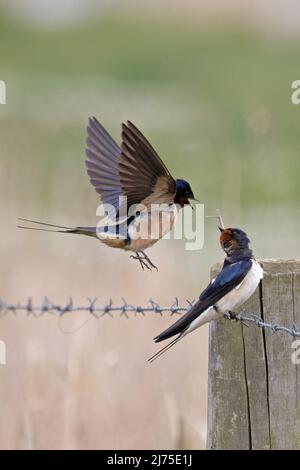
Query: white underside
{"type": "Point", "coordinates": [234, 299]}
{"type": "Point", "coordinates": [110, 235]}
{"type": "Point", "coordinates": [153, 224]}
{"type": "Point", "coordinates": [146, 229]}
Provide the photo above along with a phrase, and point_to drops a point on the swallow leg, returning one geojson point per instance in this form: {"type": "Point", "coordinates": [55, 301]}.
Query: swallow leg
{"type": "Point", "coordinates": [149, 261]}
{"type": "Point", "coordinates": [141, 260]}
{"type": "Point", "coordinates": [144, 260]}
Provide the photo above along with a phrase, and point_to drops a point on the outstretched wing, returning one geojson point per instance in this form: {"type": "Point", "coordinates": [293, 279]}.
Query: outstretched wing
{"type": "Point", "coordinates": [103, 159]}
{"type": "Point", "coordinates": [144, 177]}
{"type": "Point", "coordinates": [135, 170]}
{"type": "Point", "coordinates": [229, 278]}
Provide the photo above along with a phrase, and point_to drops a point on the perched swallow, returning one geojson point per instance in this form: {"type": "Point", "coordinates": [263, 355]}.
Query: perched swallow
{"type": "Point", "coordinates": [237, 281]}
{"type": "Point", "coordinates": [135, 175]}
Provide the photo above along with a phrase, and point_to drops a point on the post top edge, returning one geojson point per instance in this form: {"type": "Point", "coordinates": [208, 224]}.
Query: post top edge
{"type": "Point", "coordinates": [272, 265]}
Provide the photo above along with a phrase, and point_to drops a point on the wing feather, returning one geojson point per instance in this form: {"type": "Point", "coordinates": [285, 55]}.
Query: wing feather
{"type": "Point", "coordinates": [135, 170]}
{"type": "Point", "coordinates": [141, 168]}
{"type": "Point", "coordinates": [102, 164]}
{"type": "Point", "coordinates": [230, 276]}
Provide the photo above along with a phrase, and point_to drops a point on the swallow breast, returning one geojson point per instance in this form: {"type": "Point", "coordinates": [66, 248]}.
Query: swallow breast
{"type": "Point", "coordinates": [150, 226]}
{"type": "Point", "coordinates": [237, 296]}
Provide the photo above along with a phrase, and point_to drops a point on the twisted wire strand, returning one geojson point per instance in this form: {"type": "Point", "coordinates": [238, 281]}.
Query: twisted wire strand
{"type": "Point", "coordinates": [126, 309]}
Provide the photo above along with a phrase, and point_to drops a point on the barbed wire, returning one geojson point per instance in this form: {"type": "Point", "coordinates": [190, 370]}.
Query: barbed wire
{"type": "Point", "coordinates": [127, 310]}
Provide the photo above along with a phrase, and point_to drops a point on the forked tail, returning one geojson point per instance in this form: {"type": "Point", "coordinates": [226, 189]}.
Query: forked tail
{"type": "Point", "coordinates": [165, 348]}
{"type": "Point", "coordinates": [89, 231]}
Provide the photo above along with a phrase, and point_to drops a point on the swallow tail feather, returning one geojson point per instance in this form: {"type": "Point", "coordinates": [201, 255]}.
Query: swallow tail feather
{"type": "Point", "coordinates": [105, 234]}
{"type": "Point", "coordinates": [198, 313]}
{"type": "Point", "coordinates": [89, 231]}
{"type": "Point", "coordinates": [165, 348]}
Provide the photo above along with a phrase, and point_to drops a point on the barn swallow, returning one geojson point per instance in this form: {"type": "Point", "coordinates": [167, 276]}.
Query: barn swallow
{"type": "Point", "coordinates": [125, 177]}
{"type": "Point", "coordinates": [236, 282]}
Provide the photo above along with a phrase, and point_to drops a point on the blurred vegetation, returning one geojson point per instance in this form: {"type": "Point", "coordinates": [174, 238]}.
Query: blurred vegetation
{"type": "Point", "coordinates": [215, 103]}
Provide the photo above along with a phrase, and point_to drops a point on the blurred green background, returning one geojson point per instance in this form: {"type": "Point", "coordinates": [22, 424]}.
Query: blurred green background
{"type": "Point", "coordinates": [213, 96]}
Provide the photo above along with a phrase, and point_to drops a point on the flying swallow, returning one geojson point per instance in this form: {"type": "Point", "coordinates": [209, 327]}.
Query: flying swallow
{"type": "Point", "coordinates": [236, 282]}
{"type": "Point", "coordinates": [135, 175]}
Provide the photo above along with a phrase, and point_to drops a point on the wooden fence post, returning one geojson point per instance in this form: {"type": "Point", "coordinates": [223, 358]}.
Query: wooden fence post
{"type": "Point", "coordinates": [254, 387]}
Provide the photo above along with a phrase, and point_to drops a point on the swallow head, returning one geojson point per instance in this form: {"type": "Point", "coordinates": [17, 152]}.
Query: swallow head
{"type": "Point", "coordinates": [183, 193]}
{"type": "Point", "coordinates": [233, 239]}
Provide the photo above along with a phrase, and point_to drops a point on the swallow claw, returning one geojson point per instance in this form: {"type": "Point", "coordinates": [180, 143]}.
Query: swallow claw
{"type": "Point", "coordinates": [144, 260]}
{"type": "Point", "coordinates": [141, 260]}
{"type": "Point", "coordinates": [231, 315]}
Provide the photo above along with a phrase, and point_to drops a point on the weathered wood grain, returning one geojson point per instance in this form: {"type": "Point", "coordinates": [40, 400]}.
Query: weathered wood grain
{"type": "Point", "coordinates": [296, 343]}
{"type": "Point", "coordinates": [256, 378]}
{"type": "Point", "coordinates": [254, 387]}
{"type": "Point", "coordinates": [228, 410]}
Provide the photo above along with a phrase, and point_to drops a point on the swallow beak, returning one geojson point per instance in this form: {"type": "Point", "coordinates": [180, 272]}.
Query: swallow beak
{"type": "Point", "coordinates": [191, 201]}
{"type": "Point", "coordinates": [221, 229]}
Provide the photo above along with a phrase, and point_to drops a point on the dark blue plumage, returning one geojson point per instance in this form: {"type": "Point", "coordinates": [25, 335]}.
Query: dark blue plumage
{"type": "Point", "coordinates": [236, 282]}
{"type": "Point", "coordinates": [230, 276]}
{"type": "Point", "coordinates": [183, 189]}
{"type": "Point", "coordinates": [127, 176]}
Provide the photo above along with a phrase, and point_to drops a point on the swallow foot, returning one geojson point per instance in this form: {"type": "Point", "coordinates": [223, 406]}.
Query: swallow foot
{"type": "Point", "coordinates": [145, 257]}
{"type": "Point", "coordinates": [231, 315]}
{"type": "Point", "coordinates": [141, 260]}
{"type": "Point", "coordinates": [144, 260]}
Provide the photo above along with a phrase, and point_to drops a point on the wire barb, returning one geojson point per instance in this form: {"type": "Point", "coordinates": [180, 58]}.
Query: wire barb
{"type": "Point", "coordinates": [125, 309]}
